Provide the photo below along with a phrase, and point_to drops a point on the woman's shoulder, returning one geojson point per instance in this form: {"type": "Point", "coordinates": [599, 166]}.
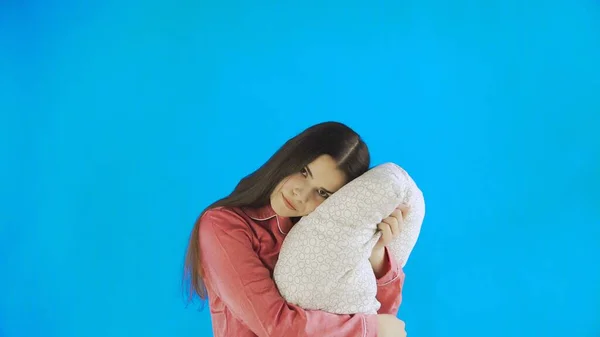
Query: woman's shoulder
{"type": "Point", "coordinates": [225, 217]}
{"type": "Point", "coordinates": [225, 223]}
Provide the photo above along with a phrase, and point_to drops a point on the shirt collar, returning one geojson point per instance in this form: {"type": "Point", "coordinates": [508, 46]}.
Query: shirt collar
{"type": "Point", "coordinates": [267, 212]}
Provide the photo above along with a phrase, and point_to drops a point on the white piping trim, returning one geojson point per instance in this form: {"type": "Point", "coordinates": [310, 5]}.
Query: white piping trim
{"type": "Point", "coordinates": [279, 227]}
{"type": "Point", "coordinates": [364, 320]}
{"type": "Point", "coordinates": [271, 217]}
{"type": "Point", "coordinates": [258, 219]}
{"type": "Point", "coordinates": [390, 281]}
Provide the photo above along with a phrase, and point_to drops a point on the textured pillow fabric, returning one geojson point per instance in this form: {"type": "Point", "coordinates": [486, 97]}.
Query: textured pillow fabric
{"type": "Point", "coordinates": [324, 260]}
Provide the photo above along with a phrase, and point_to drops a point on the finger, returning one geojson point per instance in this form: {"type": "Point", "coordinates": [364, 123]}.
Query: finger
{"type": "Point", "coordinates": [398, 215]}
{"type": "Point", "coordinates": [394, 224]}
{"type": "Point", "coordinates": [391, 221]}
{"type": "Point", "coordinates": [386, 232]}
{"type": "Point", "coordinates": [396, 229]}
{"type": "Point", "coordinates": [404, 208]}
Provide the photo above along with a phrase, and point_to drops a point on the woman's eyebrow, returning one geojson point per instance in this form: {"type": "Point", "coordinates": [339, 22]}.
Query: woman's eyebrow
{"type": "Point", "coordinates": [309, 172]}
{"type": "Point", "coordinates": [311, 176]}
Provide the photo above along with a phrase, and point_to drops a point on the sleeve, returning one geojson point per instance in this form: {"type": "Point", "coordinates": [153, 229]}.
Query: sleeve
{"type": "Point", "coordinates": [245, 285]}
{"type": "Point", "coordinates": [389, 286]}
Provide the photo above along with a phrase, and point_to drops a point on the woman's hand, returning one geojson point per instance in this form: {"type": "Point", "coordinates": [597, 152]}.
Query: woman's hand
{"type": "Point", "coordinates": [390, 229]}
{"type": "Point", "coordinates": [390, 326]}
{"type": "Point", "coordinates": [390, 226]}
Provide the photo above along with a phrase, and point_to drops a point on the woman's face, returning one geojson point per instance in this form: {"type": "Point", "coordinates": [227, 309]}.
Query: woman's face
{"type": "Point", "coordinates": [300, 193]}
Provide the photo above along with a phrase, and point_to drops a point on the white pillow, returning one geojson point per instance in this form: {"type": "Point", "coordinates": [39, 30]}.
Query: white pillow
{"type": "Point", "coordinates": [324, 260]}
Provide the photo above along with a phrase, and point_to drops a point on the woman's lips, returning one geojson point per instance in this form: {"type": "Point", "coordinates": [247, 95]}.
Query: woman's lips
{"type": "Point", "coordinates": [288, 203]}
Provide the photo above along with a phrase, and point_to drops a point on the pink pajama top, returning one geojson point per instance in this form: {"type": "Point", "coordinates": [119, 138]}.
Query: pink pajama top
{"type": "Point", "coordinates": [239, 249]}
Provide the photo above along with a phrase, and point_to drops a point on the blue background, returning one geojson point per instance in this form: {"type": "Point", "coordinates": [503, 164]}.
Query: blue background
{"type": "Point", "coordinates": [121, 120]}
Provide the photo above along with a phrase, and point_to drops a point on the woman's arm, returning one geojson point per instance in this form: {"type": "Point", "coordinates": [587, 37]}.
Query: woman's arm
{"type": "Point", "coordinates": [245, 285]}
{"type": "Point", "coordinates": [388, 272]}
{"type": "Point", "coordinates": [390, 279]}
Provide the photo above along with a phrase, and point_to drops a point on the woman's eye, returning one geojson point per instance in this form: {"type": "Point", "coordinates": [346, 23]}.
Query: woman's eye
{"type": "Point", "coordinates": [304, 172]}
{"type": "Point", "coordinates": [323, 194]}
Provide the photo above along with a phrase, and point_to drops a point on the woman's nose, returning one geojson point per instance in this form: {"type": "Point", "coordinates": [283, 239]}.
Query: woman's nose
{"type": "Point", "coordinates": [300, 194]}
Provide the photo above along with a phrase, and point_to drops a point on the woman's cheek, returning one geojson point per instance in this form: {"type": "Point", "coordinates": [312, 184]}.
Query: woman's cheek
{"type": "Point", "coordinates": [312, 207]}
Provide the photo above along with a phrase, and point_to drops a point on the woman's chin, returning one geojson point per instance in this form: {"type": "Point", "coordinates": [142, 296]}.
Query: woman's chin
{"type": "Point", "coordinates": [277, 208]}
{"type": "Point", "coordinates": [280, 208]}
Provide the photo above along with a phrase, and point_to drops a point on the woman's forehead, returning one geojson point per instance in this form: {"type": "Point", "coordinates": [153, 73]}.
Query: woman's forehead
{"type": "Point", "coordinates": [325, 173]}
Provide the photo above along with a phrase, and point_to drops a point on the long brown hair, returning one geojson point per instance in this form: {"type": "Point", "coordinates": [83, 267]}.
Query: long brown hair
{"type": "Point", "coordinates": [339, 141]}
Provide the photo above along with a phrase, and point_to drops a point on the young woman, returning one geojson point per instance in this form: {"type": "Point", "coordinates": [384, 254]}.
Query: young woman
{"type": "Point", "coordinates": [235, 243]}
